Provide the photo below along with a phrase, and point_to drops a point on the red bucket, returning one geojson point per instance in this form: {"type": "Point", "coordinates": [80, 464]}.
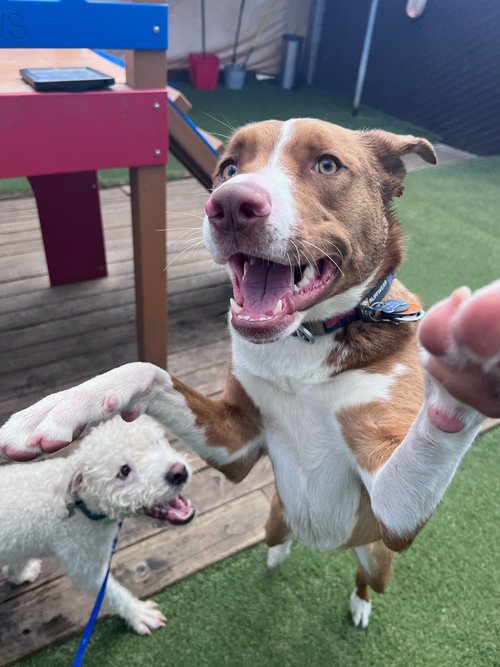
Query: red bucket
{"type": "Point", "coordinates": [204, 70]}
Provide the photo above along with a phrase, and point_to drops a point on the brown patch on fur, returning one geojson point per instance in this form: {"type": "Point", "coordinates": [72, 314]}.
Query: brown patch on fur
{"type": "Point", "coordinates": [231, 422]}
{"type": "Point", "coordinates": [277, 530]}
{"type": "Point", "coordinates": [367, 528]}
{"type": "Point", "coordinates": [362, 590]}
{"type": "Point", "coordinates": [238, 470]}
{"type": "Point", "coordinates": [399, 542]}
{"type": "Point", "coordinates": [388, 150]}
{"type": "Point", "coordinates": [375, 347]}
{"type": "Point", "coordinates": [380, 560]}
{"type": "Point", "coordinates": [374, 430]}
{"type": "Point", "coordinates": [250, 148]}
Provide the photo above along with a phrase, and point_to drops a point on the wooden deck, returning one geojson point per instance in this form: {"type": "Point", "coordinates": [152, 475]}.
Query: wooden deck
{"type": "Point", "coordinates": [52, 338]}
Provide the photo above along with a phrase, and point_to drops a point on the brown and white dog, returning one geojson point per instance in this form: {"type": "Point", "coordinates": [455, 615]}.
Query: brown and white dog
{"type": "Point", "coordinates": [362, 451]}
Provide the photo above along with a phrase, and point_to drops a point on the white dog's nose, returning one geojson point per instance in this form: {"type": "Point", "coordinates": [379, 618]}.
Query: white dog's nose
{"type": "Point", "coordinates": [177, 474]}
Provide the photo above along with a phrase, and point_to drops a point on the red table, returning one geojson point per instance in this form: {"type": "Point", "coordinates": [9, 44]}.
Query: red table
{"type": "Point", "coordinates": [60, 140]}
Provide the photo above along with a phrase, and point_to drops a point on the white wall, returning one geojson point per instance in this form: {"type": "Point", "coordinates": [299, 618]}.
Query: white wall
{"type": "Point", "coordinates": [283, 16]}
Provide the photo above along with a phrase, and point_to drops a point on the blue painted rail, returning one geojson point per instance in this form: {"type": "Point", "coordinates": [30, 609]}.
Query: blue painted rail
{"type": "Point", "coordinates": [74, 24]}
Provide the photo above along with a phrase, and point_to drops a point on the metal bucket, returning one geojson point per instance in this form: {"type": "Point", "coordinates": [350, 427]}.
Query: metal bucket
{"type": "Point", "coordinates": [234, 76]}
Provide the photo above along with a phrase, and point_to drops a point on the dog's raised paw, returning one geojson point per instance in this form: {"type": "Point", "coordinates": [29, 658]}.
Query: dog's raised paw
{"type": "Point", "coordinates": [56, 420]}
{"type": "Point", "coordinates": [360, 610]}
{"type": "Point", "coordinates": [462, 337]}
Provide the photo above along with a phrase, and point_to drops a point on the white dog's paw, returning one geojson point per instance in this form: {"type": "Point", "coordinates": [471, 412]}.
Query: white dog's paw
{"type": "Point", "coordinates": [24, 573]}
{"type": "Point", "coordinates": [145, 617]}
{"type": "Point", "coordinates": [56, 420]}
{"type": "Point", "coordinates": [278, 554]}
{"type": "Point", "coordinates": [360, 610]}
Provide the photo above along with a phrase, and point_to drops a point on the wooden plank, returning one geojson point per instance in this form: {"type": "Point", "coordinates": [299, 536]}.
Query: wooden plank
{"type": "Point", "coordinates": [73, 335]}
{"type": "Point", "coordinates": [58, 609]}
{"type": "Point", "coordinates": [29, 310]}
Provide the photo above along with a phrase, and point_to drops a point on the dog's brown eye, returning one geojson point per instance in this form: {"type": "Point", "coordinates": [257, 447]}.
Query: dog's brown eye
{"type": "Point", "coordinates": [326, 165]}
{"type": "Point", "coordinates": [228, 170]}
{"type": "Point", "coordinates": [125, 471]}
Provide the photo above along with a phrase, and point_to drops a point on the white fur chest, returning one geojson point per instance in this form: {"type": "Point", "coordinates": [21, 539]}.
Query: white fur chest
{"type": "Point", "coordinates": [315, 472]}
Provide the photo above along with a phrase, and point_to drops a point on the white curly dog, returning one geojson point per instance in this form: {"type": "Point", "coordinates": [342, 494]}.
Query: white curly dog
{"type": "Point", "coordinates": [70, 507]}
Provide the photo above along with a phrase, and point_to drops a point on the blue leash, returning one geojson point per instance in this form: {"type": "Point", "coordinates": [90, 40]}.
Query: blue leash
{"type": "Point", "coordinates": [89, 628]}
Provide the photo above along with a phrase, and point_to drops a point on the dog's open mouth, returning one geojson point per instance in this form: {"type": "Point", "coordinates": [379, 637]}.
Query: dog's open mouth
{"type": "Point", "coordinates": [177, 510]}
{"type": "Point", "coordinates": [267, 295]}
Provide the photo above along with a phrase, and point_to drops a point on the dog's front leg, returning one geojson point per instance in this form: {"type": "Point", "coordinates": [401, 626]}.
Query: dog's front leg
{"type": "Point", "coordinates": [406, 490]}
{"type": "Point", "coordinates": [225, 432]}
{"type": "Point", "coordinates": [85, 557]}
{"type": "Point", "coordinates": [463, 358]}
{"type": "Point", "coordinates": [141, 615]}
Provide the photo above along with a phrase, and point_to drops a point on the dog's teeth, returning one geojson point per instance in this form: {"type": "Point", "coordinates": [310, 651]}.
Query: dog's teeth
{"type": "Point", "coordinates": [246, 317]}
{"type": "Point", "coordinates": [306, 277]}
{"type": "Point", "coordinates": [309, 272]}
{"type": "Point", "coordinates": [252, 261]}
{"type": "Point", "coordinates": [278, 307]}
{"type": "Point", "coordinates": [234, 306]}
{"type": "Point", "coordinates": [245, 268]}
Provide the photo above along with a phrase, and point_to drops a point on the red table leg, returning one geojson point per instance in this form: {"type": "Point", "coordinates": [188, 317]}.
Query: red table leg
{"type": "Point", "coordinates": [70, 220]}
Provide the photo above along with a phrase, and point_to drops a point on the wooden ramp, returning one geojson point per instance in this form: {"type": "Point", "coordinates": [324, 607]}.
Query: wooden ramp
{"type": "Point", "coordinates": [53, 338]}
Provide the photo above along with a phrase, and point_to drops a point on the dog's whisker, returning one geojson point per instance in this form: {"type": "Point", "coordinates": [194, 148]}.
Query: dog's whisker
{"type": "Point", "coordinates": [185, 236]}
{"type": "Point", "coordinates": [223, 136]}
{"type": "Point", "coordinates": [228, 123]}
{"type": "Point", "coordinates": [190, 215]}
{"type": "Point", "coordinates": [325, 255]}
{"type": "Point", "coordinates": [310, 258]}
{"type": "Point", "coordinates": [196, 246]}
{"type": "Point", "coordinates": [218, 120]}
{"type": "Point", "coordinates": [297, 253]}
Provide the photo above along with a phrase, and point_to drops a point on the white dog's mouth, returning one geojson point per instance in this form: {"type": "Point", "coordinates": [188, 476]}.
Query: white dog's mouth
{"type": "Point", "coordinates": [267, 295]}
{"type": "Point", "coordinates": [177, 510]}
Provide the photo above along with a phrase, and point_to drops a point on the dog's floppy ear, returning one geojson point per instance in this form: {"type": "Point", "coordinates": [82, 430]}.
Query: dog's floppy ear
{"type": "Point", "coordinates": [388, 149]}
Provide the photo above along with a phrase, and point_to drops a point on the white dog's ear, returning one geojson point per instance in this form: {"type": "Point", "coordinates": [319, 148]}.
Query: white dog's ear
{"type": "Point", "coordinates": [75, 484]}
{"type": "Point", "coordinates": [388, 149]}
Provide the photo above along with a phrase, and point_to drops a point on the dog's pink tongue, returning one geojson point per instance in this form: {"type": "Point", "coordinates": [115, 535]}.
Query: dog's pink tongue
{"type": "Point", "coordinates": [263, 284]}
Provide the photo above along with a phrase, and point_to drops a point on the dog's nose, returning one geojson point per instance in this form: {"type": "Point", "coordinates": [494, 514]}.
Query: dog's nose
{"type": "Point", "coordinates": [236, 207]}
{"type": "Point", "coordinates": [177, 474]}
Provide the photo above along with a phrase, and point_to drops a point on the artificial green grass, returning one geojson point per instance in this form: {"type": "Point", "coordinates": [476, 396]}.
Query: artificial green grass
{"type": "Point", "coordinates": [223, 110]}
{"type": "Point", "coordinates": [215, 110]}
{"type": "Point", "coordinates": [441, 609]}
{"type": "Point", "coordinates": [451, 219]}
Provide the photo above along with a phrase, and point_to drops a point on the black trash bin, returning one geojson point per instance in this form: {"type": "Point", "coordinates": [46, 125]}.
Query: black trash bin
{"type": "Point", "coordinates": [290, 61]}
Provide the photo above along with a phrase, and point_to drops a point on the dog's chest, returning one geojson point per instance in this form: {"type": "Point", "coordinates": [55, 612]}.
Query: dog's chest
{"type": "Point", "coordinates": [315, 470]}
